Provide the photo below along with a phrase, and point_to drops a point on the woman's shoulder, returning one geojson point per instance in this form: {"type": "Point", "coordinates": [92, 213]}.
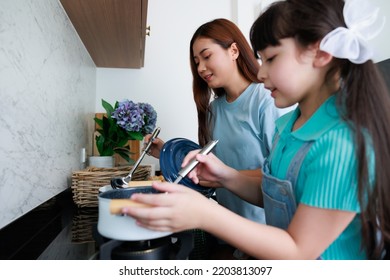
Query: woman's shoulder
{"type": "Point", "coordinates": [263, 97]}
{"type": "Point", "coordinates": [259, 89]}
{"type": "Point", "coordinates": [258, 95]}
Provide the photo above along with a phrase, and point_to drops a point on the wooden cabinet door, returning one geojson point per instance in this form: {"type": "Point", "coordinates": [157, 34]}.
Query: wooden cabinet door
{"type": "Point", "coordinates": [113, 31]}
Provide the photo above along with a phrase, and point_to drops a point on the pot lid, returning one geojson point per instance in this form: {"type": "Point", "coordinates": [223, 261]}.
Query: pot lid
{"type": "Point", "coordinates": [171, 158]}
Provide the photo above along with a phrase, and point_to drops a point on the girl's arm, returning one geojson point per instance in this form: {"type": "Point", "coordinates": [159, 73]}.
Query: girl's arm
{"type": "Point", "coordinates": [253, 173]}
{"type": "Point", "coordinates": [179, 208]}
{"type": "Point", "coordinates": [211, 169]}
{"type": "Point", "coordinates": [311, 231]}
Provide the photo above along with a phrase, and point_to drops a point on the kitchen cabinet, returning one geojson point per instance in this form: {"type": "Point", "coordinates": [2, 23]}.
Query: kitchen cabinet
{"type": "Point", "coordinates": [113, 31]}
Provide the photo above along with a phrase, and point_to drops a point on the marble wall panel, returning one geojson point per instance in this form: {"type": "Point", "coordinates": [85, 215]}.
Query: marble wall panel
{"type": "Point", "coordinates": [47, 97]}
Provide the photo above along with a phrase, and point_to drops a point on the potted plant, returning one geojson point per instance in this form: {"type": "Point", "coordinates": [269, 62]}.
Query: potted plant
{"type": "Point", "coordinates": [122, 122]}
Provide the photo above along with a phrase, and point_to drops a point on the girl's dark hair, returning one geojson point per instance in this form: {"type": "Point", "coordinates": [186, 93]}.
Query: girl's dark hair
{"type": "Point", "coordinates": [224, 33]}
{"type": "Point", "coordinates": [363, 95]}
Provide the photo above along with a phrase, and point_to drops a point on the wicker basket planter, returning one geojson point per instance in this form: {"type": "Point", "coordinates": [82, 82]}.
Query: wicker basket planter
{"type": "Point", "coordinates": [86, 183]}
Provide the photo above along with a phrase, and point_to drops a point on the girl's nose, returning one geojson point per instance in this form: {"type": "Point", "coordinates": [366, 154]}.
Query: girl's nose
{"type": "Point", "coordinates": [261, 75]}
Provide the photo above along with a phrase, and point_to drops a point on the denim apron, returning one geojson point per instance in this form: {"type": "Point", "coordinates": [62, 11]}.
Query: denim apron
{"type": "Point", "coordinates": [278, 195]}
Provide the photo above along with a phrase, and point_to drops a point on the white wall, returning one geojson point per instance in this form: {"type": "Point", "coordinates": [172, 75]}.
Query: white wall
{"type": "Point", "coordinates": [166, 80]}
{"type": "Point", "coordinates": [47, 95]}
{"type": "Point", "coordinates": [381, 43]}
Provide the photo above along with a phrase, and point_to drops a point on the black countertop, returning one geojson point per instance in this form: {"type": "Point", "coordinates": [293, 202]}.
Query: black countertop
{"type": "Point", "coordinates": [59, 230]}
{"type": "Point", "coordinates": [50, 231]}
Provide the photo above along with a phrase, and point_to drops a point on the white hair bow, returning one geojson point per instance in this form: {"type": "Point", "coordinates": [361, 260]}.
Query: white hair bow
{"type": "Point", "coordinates": [350, 43]}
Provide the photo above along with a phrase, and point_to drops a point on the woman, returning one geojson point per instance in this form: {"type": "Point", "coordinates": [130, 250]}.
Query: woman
{"type": "Point", "coordinates": [241, 114]}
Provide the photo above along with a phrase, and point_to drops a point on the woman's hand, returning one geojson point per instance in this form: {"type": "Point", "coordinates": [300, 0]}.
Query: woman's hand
{"type": "Point", "coordinates": [176, 209]}
{"type": "Point", "coordinates": [156, 146]}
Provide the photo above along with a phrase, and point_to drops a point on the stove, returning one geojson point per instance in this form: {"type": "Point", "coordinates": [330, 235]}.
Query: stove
{"type": "Point", "coordinates": [177, 246]}
{"type": "Point", "coordinates": [59, 230]}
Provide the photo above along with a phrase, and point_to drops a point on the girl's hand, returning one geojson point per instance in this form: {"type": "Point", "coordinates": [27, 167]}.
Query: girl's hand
{"type": "Point", "coordinates": [178, 208]}
{"type": "Point", "coordinates": [210, 171]}
{"type": "Point", "coordinates": [208, 184]}
{"type": "Point", "coordinates": [156, 146]}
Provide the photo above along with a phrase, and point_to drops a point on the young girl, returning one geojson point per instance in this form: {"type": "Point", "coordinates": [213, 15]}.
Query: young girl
{"type": "Point", "coordinates": [224, 71]}
{"type": "Point", "coordinates": [325, 187]}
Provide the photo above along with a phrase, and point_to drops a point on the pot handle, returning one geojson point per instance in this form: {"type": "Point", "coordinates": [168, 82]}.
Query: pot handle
{"type": "Point", "coordinates": [116, 205]}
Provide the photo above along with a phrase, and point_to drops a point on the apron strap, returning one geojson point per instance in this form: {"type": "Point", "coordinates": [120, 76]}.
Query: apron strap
{"type": "Point", "coordinates": [296, 163]}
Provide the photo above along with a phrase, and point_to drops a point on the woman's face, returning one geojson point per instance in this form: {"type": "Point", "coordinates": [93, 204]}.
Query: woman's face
{"type": "Point", "coordinates": [215, 64]}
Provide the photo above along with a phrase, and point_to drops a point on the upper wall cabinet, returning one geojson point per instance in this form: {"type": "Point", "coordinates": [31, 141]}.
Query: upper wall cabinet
{"type": "Point", "coordinates": [113, 31]}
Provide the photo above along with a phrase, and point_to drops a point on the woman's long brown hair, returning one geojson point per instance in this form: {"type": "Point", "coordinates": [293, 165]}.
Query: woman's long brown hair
{"type": "Point", "coordinates": [224, 33]}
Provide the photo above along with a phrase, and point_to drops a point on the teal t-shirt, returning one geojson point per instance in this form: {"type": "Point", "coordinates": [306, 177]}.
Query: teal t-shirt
{"type": "Point", "coordinates": [244, 128]}
{"type": "Point", "coordinates": [328, 175]}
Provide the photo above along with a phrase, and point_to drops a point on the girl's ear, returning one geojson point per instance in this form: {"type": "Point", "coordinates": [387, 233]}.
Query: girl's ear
{"type": "Point", "coordinates": [234, 51]}
{"type": "Point", "coordinates": [322, 58]}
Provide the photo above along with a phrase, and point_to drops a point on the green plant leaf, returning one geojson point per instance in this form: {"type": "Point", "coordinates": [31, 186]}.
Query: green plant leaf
{"type": "Point", "coordinates": [135, 135]}
{"type": "Point", "coordinates": [99, 121]}
{"type": "Point", "coordinates": [125, 153]}
{"type": "Point", "coordinates": [106, 127]}
{"type": "Point", "coordinates": [122, 143]}
{"type": "Point", "coordinates": [102, 147]}
{"type": "Point", "coordinates": [107, 106]}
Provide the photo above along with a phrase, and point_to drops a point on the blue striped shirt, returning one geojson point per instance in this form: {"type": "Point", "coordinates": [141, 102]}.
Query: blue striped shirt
{"type": "Point", "coordinates": [328, 176]}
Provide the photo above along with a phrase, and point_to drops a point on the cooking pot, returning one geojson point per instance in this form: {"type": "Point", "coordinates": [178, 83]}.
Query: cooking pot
{"type": "Point", "coordinates": [114, 225]}
{"type": "Point", "coordinates": [132, 184]}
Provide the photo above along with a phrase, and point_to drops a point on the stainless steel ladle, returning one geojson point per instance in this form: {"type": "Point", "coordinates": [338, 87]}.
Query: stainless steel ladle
{"type": "Point", "coordinates": [118, 182]}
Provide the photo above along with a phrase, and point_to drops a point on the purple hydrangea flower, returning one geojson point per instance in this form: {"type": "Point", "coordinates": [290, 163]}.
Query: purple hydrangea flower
{"type": "Point", "coordinates": [129, 116]}
{"type": "Point", "coordinates": [136, 117]}
{"type": "Point", "coordinates": [149, 116]}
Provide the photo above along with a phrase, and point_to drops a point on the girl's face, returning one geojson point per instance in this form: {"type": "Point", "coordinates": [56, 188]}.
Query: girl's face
{"type": "Point", "coordinates": [215, 64]}
{"type": "Point", "coordinates": [287, 72]}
